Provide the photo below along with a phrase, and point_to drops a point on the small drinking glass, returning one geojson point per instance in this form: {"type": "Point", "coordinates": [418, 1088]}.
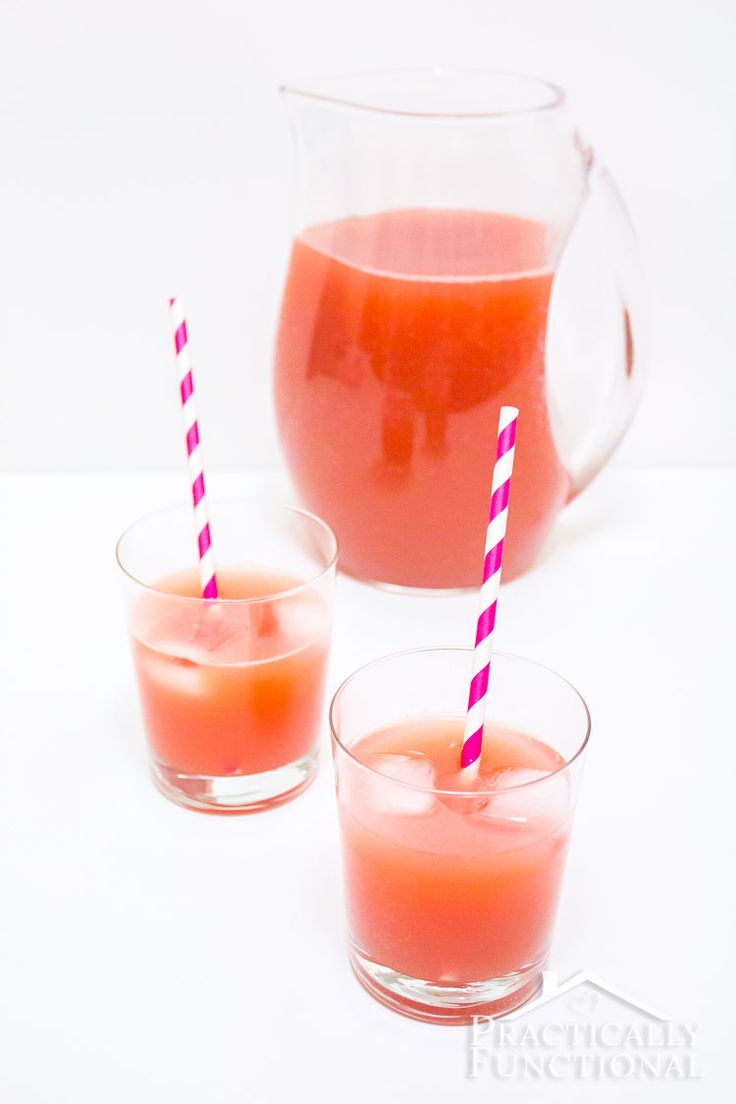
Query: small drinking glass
{"type": "Point", "coordinates": [231, 689]}
{"type": "Point", "coordinates": [452, 877]}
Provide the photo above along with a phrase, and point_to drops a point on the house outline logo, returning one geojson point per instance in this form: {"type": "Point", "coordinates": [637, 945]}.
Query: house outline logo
{"type": "Point", "coordinates": [596, 1032]}
{"type": "Point", "coordinates": [551, 990]}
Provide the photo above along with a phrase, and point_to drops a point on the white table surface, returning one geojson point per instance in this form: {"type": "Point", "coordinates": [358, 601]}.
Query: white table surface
{"type": "Point", "coordinates": [148, 953]}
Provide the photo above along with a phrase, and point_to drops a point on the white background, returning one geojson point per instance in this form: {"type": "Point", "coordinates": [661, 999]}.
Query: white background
{"type": "Point", "coordinates": [149, 954]}
{"type": "Point", "coordinates": [144, 151]}
{"type": "Point", "coordinates": [153, 955]}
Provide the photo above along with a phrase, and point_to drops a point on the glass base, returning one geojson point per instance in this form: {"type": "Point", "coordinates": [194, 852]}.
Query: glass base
{"type": "Point", "coordinates": [434, 1002]}
{"type": "Point", "coordinates": [236, 793]}
{"type": "Point", "coordinates": [510, 573]}
{"type": "Point", "coordinates": [418, 592]}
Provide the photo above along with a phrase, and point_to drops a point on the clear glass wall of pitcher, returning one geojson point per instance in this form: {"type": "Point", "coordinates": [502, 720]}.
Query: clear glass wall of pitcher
{"type": "Point", "coordinates": [456, 248]}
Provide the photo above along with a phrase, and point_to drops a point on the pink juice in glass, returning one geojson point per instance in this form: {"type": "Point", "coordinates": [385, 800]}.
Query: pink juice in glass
{"type": "Point", "coordinates": [229, 687]}
{"type": "Point", "coordinates": [453, 887]}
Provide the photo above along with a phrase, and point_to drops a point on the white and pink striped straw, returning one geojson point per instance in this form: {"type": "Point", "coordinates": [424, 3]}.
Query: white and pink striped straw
{"type": "Point", "coordinates": [495, 534]}
{"type": "Point", "coordinates": [194, 451]}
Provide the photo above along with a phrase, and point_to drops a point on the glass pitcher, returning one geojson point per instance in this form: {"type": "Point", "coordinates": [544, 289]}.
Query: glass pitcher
{"type": "Point", "coordinates": [457, 248]}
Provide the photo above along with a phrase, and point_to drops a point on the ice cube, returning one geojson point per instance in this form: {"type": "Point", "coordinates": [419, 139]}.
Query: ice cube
{"type": "Point", "coordinates": [207, 636]}
{"type": "Point", "coordinates": [172, 673]}
{"type": "Point", "coordinates": [265, 620]}
{"type": "Point", "coordinates": [304, 617]}
{"type": "Point", "coordinates": [409, 769]}
{"type": "Point", "coordinates": [402, 788]}
{"type": "Point", "coordinates": [513, 799]}
{"type": "Point", "coordinates": [217, 638]}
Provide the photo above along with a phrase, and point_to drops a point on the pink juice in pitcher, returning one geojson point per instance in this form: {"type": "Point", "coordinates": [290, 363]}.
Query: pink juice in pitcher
{"type": "Point", "coordinates": [402, 334]}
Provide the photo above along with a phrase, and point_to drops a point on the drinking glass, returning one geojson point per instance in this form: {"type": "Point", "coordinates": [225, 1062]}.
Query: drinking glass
{"type": "Point", "coordinates": [231, 689]}
{"type": "Point", "coordinates": [452, 879]}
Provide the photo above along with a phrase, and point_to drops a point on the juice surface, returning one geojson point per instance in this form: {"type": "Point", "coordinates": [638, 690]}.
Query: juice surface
{"type": "Point", "coordinates": [401, 336]}
{"type": "Point", "coordinates": [229, 688]}
{"type": "Point", "coordinates": [452, 887]}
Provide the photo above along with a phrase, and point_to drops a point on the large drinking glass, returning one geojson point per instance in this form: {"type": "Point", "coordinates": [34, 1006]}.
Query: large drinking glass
{"type": "Point", "coordinates": [452, 876]}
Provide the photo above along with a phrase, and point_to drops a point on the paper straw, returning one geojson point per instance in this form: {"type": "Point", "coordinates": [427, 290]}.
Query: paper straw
{"type": "Point", "coordinates": [499, 512]}
{"type": "Point", "coordinates": [194, 451]}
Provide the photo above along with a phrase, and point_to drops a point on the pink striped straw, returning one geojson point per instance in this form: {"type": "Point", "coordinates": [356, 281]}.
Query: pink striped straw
{"type": "Point", "coordinates": [478, 696]}
{"type": "Point", "coordinates": [194, 451]}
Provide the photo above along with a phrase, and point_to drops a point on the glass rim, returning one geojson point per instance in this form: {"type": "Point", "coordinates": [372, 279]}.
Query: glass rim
{"type": "Point", "coordinates": [434, 789]}
{"type": "Point", "coordinates": [554, 96]}
{"type": "Point", "coordinates": [279, 507]}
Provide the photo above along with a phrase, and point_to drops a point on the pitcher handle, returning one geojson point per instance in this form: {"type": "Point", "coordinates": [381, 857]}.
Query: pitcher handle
{"type": "Point", "coordinates": [596, 341]}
